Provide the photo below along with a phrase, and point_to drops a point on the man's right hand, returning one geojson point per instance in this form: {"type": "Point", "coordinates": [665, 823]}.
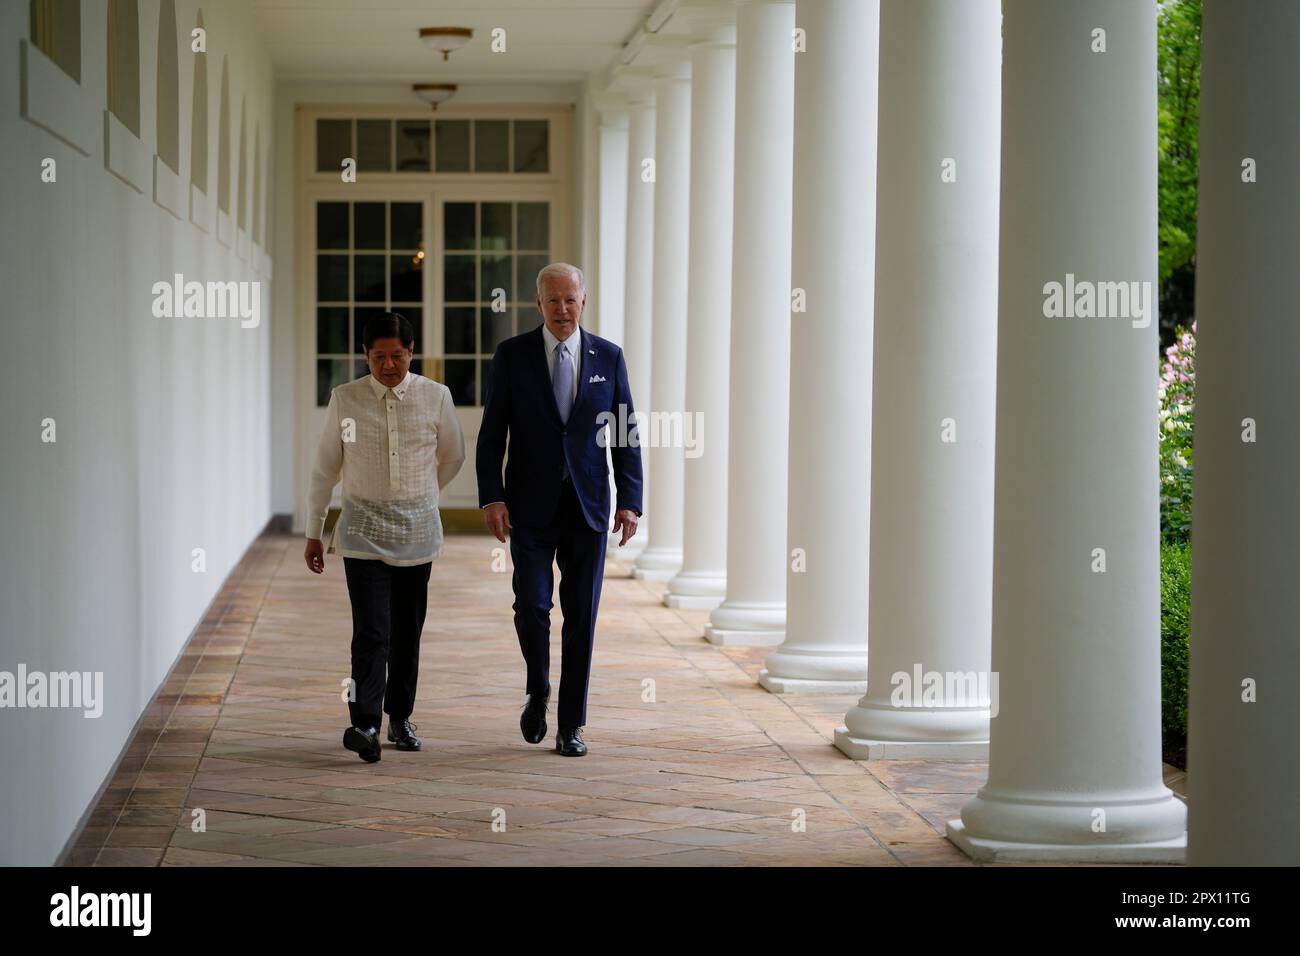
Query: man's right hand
{"type": "Point", "coordinates": [315, 555]}
{"type": "Point", "coordinates": [497, 519]}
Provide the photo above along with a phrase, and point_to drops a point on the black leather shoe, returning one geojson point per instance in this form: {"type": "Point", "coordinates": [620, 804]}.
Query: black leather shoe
{"type": "Point", "coordinates": [569, 742]}
{"type": "Point", "coordinates": [532, 722]}
{"type": "Point", "coordinates": [399, 734]}
{"type": "Point", "coordinates": [364, 742]}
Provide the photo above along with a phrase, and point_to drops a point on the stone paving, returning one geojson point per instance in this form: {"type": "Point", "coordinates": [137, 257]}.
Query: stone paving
{"type": "Point", "coordinates": [690, 763]}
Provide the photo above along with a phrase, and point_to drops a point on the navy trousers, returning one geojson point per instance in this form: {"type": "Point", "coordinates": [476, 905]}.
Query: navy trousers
{"type": "Point", "coordinates": [388, 607]}
{"type": "Point", "coordinates": [580, 552]}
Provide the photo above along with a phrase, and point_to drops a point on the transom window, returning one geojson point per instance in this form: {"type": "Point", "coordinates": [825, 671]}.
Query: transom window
{"type": "Point", "coordinates": [442, 146]}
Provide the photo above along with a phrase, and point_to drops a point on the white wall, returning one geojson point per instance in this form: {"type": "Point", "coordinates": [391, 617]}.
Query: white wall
{"type": "Point", "coordinates": [162, 424]}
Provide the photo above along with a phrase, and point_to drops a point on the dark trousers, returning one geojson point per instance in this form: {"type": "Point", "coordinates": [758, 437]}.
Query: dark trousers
{"type": "Point", "coordinates": [388, 605]}
{"type": "Point", "coordinates": [580, 553]}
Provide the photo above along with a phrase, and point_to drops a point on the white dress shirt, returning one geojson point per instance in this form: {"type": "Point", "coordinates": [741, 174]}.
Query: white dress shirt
{"type": "Point", "coordinates": [395, 449]}
{"type": "Point", "coordinates": [574, 344]}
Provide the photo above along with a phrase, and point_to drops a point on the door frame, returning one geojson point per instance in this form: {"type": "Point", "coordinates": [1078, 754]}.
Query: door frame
{"type": "Point", "coordinates": [432, 190]}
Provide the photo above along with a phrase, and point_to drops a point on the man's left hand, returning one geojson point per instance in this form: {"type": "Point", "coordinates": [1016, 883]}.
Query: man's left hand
{"type": "Point", "coordinates": [626, 519]}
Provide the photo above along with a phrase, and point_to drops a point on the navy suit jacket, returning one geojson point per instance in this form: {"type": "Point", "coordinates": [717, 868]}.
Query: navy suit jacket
{"type": "Point", "coordinates": [521, 403]}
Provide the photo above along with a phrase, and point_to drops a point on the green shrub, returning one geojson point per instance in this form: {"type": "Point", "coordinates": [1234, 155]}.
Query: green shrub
{"type": "Point", "coordinates": [1175, 595]}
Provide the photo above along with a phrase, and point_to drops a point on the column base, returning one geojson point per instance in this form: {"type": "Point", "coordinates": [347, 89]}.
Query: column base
{"type": "Point", "coordinates": [802, 685]}
{"type": "Point", "coordinates": [735, 637]}
{"type": "Point", "coordinates": [859, 748]}
{"type": "Point", "coordinates": [653, 574]}
{"type": "Point", "coordinates": [697, 590]}
{"type": "Point", "coordinates": [1000, 851]}
{"type": "Point", "coordinates": [1117, 825]}
{"type": "Point", "coordinates": [629, 552]}
{"type": "Point", "coordinates": [692, 602]}
{"type": "Point", "coordinates": [659, 564]}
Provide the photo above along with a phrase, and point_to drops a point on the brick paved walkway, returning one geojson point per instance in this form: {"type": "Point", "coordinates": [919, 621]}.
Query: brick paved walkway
{"type": "Point", "coordinates": [708, 769]}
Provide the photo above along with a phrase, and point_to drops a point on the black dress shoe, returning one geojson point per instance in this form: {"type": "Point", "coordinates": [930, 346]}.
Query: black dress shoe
{"type": "Point", "coordinates": [569, 742]}
{"type": "Point", "coordinates": [364, 742]}
{"type": "Point", "coordinates": [399, 733]}
{"type": "Point", "coordinates": [532, 722]}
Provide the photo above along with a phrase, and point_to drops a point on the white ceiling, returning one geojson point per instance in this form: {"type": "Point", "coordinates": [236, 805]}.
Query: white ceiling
{"type": "Point", "coordinates": [377, 41]}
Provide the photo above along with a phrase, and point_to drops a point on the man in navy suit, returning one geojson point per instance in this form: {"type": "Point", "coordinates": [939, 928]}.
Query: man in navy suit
{"type": "Point", "coordinates": [552, 391]}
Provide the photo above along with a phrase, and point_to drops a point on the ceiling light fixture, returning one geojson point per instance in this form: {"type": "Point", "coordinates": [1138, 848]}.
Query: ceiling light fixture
{"type": "Point", "coordinates": [445, 40]}
{"type": "Point", "coordinates": [434, 93]}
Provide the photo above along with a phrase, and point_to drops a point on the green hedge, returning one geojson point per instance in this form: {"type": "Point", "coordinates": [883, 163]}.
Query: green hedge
{"type": "Point", "coordinates": [1175, 594]}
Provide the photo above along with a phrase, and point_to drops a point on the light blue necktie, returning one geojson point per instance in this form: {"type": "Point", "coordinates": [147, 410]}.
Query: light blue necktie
{"type": "Point", "coordinates": [563, 382]}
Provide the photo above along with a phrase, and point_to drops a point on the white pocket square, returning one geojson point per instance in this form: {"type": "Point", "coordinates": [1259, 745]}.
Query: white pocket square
{"type": "Point", "coordinates": [595, 378]}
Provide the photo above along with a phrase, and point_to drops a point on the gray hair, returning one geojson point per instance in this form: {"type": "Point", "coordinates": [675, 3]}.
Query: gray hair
{"type": "Point", "coordinates": [561, 269]}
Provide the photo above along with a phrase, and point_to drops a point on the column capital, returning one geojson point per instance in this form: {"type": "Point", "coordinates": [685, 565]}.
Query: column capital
{"type": "Point", "coordinates": [612, 106]}
{"type": "Point", "coordinates": [635, 83]}
{"type": "Point", "coordinates": [709, 22]}
{"type": "Point", "coordinates": [669, 57]}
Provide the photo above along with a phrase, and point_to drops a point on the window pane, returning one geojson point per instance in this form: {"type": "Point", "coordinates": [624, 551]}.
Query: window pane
{"type": "Point", "coordinates": [451, 145]}
{"type": "Point", "coordinates": [494, 328]}
{"type": "Point", "coordinates": [368, 220]}
{"type": "Point", "coordinates": [333, 144]}
{"type": "Point", "coordinates": [458, 225]}
{"type": "Point", "coordinates": [458, 331]}
{"type": "Point", "coordinates": [528, 319]}
{"type": "Point", "coordinates": [332, 330]}
{"type": "Point", "coordinates": [329, 373]}
{"type": "Point", "coordinates": [491, 142]}
{"type": "Point", "coordinates": [374, 152]}
{"type": "Point", "coordinates": [371, 273]}
{"type": "Point", "coordinates": [417, 366]}
{"type": "Point", "coordinates": [415, 315]}
{"type": "Point", "coordinates": [332, 279]}
{"type": "Point", "coordinates": [362, 316]}
{"type": "Point", "coordinates": [495, 232]}
{"type": "Point", "coordinates": [405, 276]}
{"type": "Point", "coordinates": [458, 278]}
{"type": "Point", "coordinates": [529, 266]}
{"type": "Point", "coordinates": [331, 225]}
{"type": "Point", "coordinates": [496, 275]}
{"type": "Point", "coordinates": [532, 139]}
{"type": "Point", "coordinates": [360, 368]}
{"type": "Point", "coordinates": [534, 226]}
{"type": "Point", "coordinates": [413, 146]}
{"type": "Point", "coordinates": [407, 225]}
{"type": "Point", "coordinates": [459, 378]}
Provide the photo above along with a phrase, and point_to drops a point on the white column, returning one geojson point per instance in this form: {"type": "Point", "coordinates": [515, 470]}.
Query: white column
{"type": "Point", "coordinates": [612, 215]}
{"type": "Point", "coordinates": [759, 402]}
{"type": "Point", "coordinates": [935, 384]}
{"type": "Point", "coordinates": [611, 249]}
{"type": "Point", "coordinates": [1245, 516]}
{"type": "Point", "coordinates": [1074, 752]}
{"type": "Point", "coordinates": [832, 271]}
{"type": "Point", "coordinates": [638, 87]}
{"type": "Point", "coordinates": [702, 582]}
{"type": "Point", "coordinates": [662, 556]}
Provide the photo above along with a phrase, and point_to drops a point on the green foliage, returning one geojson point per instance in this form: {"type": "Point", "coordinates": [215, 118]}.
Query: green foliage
{"type": "Point", "coordinates": [1175, 597]}
{"type": "Point", "coordinates": [1178, 65]}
